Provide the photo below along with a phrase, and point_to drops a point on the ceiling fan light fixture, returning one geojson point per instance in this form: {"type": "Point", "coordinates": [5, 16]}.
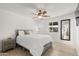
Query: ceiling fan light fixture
{"type": "Point", "coordinates": [39, 16]}
{"type": "Point", "coordinates": [41, 13]}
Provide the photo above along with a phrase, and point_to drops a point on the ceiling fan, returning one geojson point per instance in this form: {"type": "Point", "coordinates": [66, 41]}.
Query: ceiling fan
{"type": "Point", "coordinates": [40, 14]}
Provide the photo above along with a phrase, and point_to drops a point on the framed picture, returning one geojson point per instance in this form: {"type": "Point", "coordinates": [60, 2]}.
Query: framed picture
{"type": "Point", "coordinates": [55, 29]}
{"type": "Point", "coordinates": [65, 29]}
{"type": "Point", "coordinates": [50, 23]}
{"type": "Point", "coordinates": [55, 23]}
{"type": "Point", "coordinates": [55, 26]}
{"type": "Point", "coordinates": [50, 29]}
{"type": "Point", "coordinates": [77, 21]}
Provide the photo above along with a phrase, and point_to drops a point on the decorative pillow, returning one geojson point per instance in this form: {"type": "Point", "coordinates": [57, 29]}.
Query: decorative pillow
{"type": "Point", "coordinates": [21, 33]}
{"type": "Point", "coordinates": [26, 32]}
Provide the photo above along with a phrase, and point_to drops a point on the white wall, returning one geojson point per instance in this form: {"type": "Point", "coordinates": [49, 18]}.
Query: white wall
{"type": "Point", "coordinates": [44, 28]}
{"type": "Point", "coordinates": [77, 39]}
{"type": "Point", "coordinates": [43, 25]}
{"type": "Point", "coordinates": [77, 31]}
{"type": "Point", "coordinates": [70, 16]}
{"type": "Point", "coordinates": [10, 21]}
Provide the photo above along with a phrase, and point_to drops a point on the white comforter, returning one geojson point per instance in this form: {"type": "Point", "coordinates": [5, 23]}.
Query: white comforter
{"type": "Point", "coordinates": [34, 42]}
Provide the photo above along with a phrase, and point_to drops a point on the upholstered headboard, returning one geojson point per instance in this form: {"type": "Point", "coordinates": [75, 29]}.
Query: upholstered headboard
{"type": "Point", "coordinates": [24, 30]}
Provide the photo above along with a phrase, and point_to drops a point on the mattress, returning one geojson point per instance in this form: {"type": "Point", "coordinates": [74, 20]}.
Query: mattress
{"type": "Point", "coordinates": [35, 43]}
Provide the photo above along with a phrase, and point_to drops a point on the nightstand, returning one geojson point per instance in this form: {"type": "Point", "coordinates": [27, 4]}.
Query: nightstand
{"type": "Point", "coordinates": [8, 43]}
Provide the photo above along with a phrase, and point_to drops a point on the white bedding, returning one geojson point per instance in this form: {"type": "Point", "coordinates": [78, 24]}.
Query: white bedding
{"type": "Point", "coordinates": [34, 42]}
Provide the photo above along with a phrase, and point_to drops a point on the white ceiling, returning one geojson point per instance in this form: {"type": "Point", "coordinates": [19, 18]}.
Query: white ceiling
{"type": "Point", "coordinates": [53, 9]}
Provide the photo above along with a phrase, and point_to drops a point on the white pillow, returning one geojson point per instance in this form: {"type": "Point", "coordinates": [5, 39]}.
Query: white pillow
{"type": "Point", "coordinates": [21, 33]}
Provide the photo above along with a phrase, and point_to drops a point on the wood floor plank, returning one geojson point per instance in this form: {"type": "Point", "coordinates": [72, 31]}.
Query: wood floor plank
{"type": "Point", "coordinates": [58, 49]}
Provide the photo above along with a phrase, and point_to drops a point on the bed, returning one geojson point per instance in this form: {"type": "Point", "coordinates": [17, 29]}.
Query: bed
{"type": "Point", "coordinates": [37, 44]}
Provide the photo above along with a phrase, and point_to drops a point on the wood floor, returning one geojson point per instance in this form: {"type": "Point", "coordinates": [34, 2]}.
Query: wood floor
{"type": "Point", "coordinates": [58, 49]}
